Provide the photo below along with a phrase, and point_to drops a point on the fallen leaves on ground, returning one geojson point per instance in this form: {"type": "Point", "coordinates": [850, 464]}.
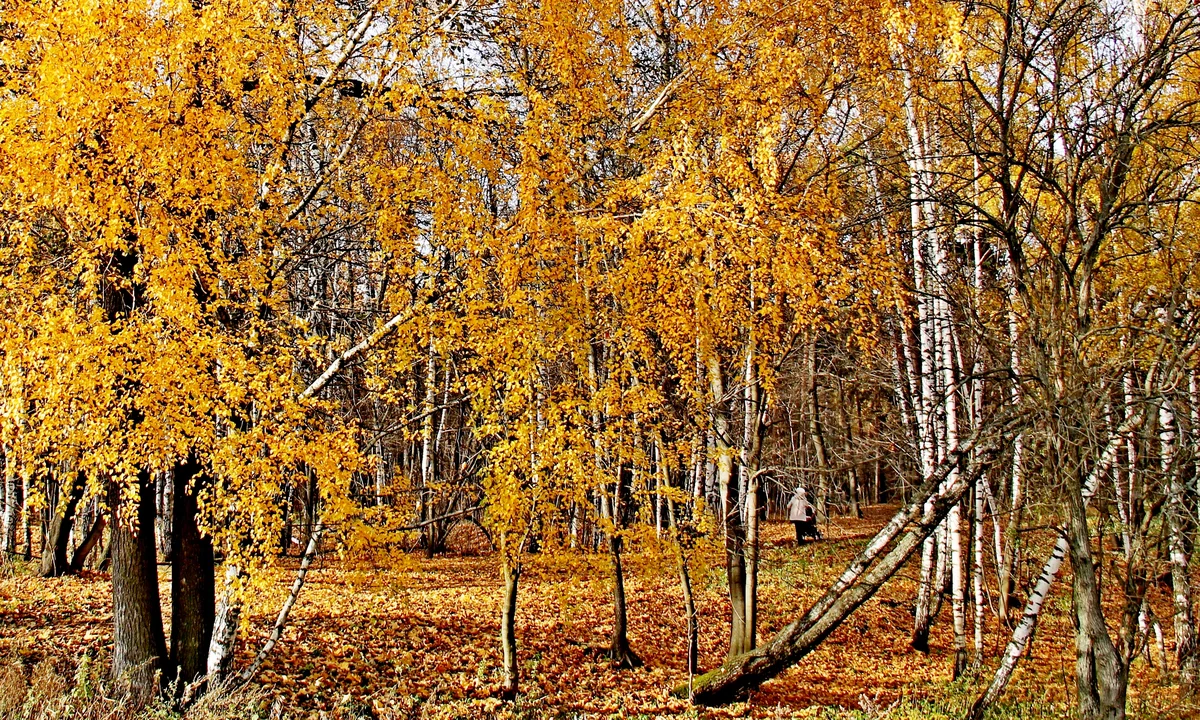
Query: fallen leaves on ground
{"type": "Point", "coordinates": [412, 636]}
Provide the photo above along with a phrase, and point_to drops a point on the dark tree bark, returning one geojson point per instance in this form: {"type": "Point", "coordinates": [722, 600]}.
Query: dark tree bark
{"type": "Point", "coordinates": [1101, 677]}
{"type": "Point", "coordinates": [54, 553]}
{"type": "Point", "coordinates": [139, 647]}
{"type": "Point", "coordinates": [620, 652]}
{"type": "Point", "coordinates": [192, 585]}
{"type": "Point", "coordinates": [94, 536]}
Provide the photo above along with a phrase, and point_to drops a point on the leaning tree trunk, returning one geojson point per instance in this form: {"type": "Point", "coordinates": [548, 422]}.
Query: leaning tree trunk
{"type": "Point", "coordinates": [93, 538]}
{"type": "Point", "coordinates": [855, 586]}
{"type": "Point", "coordinates": [139, 647]}
{"type": "Point", "coordinates": [54, 554]}
{"type": "Point", "coordinates": [310, 552]}
{"type": "Point", "coordinates": [192, 585]}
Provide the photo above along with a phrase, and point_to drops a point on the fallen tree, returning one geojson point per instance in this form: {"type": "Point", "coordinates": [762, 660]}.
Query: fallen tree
{"type": "Point", "coordinates": [864, 575]}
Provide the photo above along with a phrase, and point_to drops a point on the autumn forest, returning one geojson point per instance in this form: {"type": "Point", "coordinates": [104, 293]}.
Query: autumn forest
{"type": "Point", "coordinates": [599, 358]}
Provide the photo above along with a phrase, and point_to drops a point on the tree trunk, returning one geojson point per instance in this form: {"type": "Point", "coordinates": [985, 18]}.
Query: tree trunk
{"type": "Point", "coordinates": [139, 648]}
{"type": "Point", "coordinates": [166, 518]}
{"type": "Point", "coordinates": [508, 632]}
{"type": "Point", "coordinates": [310, 552]}
{"type": "Point", "coordinates": [977, 570]}
{"type": "Point", "coordinates": [957, 590]}
{"type": "Point", "coordinates": [192, 582]}
{"type": "Point", "coordinates": [1179, 525]}
{"type": "Point", "coordinates": [1024, 630]}
{"type": "Point", "coordinates": [856, 585]}
{"type": "Point", "coordinates": [731, 513]}
{"type": "Point", "coordinates": [26, 520]}
{"type": "Point", "coordinates": [1101, 677]}
{"type": "Point", "coordinates": [619, 650]}
{"type": "Point", "coordinates": [54, 554]}
{"type": "Point", "coordinates": [921, 615]}
{"type": "Point", "coordinates": [94, 536]}
{"type": "Point", "coordinates": [12, 492]}
{"type": "Point", "coordinates": [225, 625]}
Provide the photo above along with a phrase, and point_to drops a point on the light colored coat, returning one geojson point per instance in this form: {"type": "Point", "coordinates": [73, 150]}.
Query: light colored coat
{"type": "Point", "coordinates": [798, 508]}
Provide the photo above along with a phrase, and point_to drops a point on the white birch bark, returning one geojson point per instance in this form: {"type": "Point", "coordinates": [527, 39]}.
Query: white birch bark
{"type": "Point", "coordinates": [8, 541]}
{"type": "Point", "coordinates": [225, 625]}
{"type": "Point", "coordinates": [1178, 525]}
{"type": "Point", "coordinates": [310, 552]}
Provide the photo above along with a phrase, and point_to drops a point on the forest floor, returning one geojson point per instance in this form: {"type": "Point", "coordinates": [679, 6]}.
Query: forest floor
{"type": "Point", "coordinates": [416, 637]}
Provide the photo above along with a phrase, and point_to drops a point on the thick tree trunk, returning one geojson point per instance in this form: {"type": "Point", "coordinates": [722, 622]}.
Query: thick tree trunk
{"type": "Point", "coordinates": [139, 648]}
{"type": "Point", "coordinates": [508, 632]}
{"type": "Point", "coordinates": [54, 554]}
{"type": "Point", "coordinates": [1101, 677]}
{"type": "Point", "coordinates": [921, 614]}
{"type": "Point", "coordinates": [192, 584]}
{"type": "Point", "coordinates": [854, 587]}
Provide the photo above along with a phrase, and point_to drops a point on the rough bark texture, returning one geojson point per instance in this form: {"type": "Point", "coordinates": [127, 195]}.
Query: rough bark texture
{"type": "Point", "coordinates": [54, 554]}
{"type": "Point", "coordinates": [192, 585]}
{"type": "Point", "coordinates": [139, 647]}
{"type": "Point", "coordinates": [921, 615]}
{"type": "Point", "coordinates": [1100, 676]}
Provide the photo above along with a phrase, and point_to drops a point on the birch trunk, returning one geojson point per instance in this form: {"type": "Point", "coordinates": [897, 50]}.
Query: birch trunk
{"type": "Point", "coordinates": [731, 512]}
{"type": "Point", "coordinates": [310, 552]}
{"type": "Point", "coordinates": [225, 626]}
{"type": "Point", "coordinates": [1179, 529]}
{"type": "Point", "coordinates": [855, 586]}
{"type": "Point", "coordinates": [12, 488]}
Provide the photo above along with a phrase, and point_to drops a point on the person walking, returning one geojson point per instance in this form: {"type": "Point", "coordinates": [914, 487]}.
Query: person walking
{"type": "Point", "coordinates": [800, 513]}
